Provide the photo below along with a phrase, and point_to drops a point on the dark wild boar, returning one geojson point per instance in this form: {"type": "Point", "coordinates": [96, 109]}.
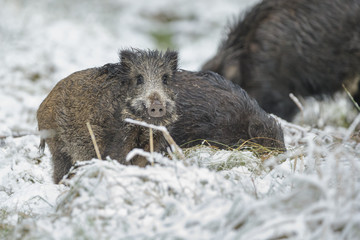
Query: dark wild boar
{"type": "Point", "coordinates": [215, 109]}
{"type": "Point", "coordinates": [139, 87]}
{"type": "Point", "coordinates": [304, 47]}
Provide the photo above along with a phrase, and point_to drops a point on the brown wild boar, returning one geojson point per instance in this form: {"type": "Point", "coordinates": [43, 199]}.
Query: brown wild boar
{"type": "Point", "coordinates": [139, 87]}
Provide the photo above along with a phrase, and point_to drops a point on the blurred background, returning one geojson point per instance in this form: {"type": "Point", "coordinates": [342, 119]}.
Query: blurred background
{"type": "Point", "coordinates": [43, 41]}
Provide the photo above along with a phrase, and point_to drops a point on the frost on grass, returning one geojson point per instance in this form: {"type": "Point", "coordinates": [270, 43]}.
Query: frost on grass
{"type": "Point", "coordinates": [310, 192]}
{"type": "Point", "coordinates": [26, 190]}
{"type": "Point", "coordinates": [223, 160]}
{"type": "Point", "coordinates": [106, 199]}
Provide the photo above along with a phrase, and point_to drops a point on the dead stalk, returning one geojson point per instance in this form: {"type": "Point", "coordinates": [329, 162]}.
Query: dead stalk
{"type": "Point", "coordinates": [351, 98]}
{"type": "Point", "coordinates": [302, 164]}
{"type": "Point", "coordinates": [151, 140]}
{"type": "Point", "coordinates": [170, 140]}
{"type": "Point", "coordinates": [175, 148]}
{"type": "Point", "coordinates": [298, 104]}
{"type": "Point", "coordinates": [295, 162]}
{"type": "Point", "coordinates": [93, 140]}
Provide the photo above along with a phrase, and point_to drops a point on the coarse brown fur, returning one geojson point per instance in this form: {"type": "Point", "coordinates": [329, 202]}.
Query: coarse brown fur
{"type": "Point", "coordinates": [138, 87]}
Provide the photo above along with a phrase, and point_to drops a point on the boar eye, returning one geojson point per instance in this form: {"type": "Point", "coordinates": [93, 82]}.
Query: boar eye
{"type": "Point", "coordinates": [165, 78]}
{"type": "Point", "coordinates": [139, 79]}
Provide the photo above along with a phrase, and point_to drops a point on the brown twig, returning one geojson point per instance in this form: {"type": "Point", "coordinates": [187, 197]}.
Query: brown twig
{"type": "Point", "coordinates": [93, 140]}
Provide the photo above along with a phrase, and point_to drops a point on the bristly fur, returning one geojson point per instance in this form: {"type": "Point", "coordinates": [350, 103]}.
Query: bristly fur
{"type": "Point", "coordinates": [304, 47]}
{"type": "Point", "coordinates": [129, 56]}
{"type": "Point", "coordinates": [214, 109]}
{"type": "Point", "coordinates": [104, 97]}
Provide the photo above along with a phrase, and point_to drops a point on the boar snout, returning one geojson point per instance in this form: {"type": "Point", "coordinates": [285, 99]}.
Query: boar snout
{"type": "Point", "coordinates": [156, 109]}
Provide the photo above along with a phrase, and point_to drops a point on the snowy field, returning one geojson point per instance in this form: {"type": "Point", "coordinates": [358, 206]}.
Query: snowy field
{"type": "Point", "coordinates": [311, 192]}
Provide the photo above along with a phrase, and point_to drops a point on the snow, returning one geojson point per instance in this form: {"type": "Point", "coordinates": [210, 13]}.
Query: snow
{"type": "Point", "coordinates": [310, 192]}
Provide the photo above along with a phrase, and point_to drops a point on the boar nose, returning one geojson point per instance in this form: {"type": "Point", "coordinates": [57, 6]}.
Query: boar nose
{"type": "Point", "coordinates": [156, 109]}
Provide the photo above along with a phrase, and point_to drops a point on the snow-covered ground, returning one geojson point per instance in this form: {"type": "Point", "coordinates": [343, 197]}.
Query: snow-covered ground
{"type": "Point", "coordinates": [311, 192]}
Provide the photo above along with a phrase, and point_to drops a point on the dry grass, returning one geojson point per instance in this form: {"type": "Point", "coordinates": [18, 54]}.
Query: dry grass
{"type": "Point", "coordinates": [215, 192]}
{"type": "Point", "coordinates": [93, 140]}
{"type": "Point", "coordinates": [258, 150]}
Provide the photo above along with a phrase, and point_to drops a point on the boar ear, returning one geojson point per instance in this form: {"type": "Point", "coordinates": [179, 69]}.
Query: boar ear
{"type": "Point", "coordinates": [126, 57]}
{"type": "Point", "coordinates": [256, 130]}
{"type": "Point", "coordinates": [172, 58]}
